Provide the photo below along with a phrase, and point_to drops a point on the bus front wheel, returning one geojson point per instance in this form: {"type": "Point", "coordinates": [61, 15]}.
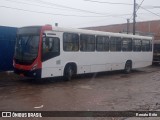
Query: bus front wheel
{"type": "Point", "coordinates": [68, 73]}
{"type": "Point", "coordinates": [128, 67]}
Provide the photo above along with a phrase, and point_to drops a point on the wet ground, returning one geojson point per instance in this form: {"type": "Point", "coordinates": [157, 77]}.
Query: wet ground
{"type": "Point", "coordinates": [110, 91]}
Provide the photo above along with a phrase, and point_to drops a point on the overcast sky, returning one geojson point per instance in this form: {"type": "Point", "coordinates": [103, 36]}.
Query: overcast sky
{"type": "Point", "coordinates": [74, 13]}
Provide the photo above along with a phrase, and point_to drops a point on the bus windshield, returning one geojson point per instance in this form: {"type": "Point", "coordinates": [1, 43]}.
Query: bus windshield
{"type": "Point", "coordinates": [26, 49]}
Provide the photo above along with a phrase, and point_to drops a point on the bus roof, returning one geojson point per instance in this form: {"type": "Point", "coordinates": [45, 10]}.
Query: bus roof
{"type": "Point", "coordinates": [84, 31]}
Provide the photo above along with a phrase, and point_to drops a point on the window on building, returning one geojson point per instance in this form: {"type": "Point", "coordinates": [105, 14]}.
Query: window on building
{"type": "Point", "coordinates": [126, 44]}
{"type": "Point", "coordinates": [115, 44]}
{"type": "Point", "coordinates": [87, 42]}
{"type": "Point", "coordinates": [70, 42]}
{"type": "Point", "coordinates": [136, 45]}
{"type": "Point", "coordinates": [102, 43]}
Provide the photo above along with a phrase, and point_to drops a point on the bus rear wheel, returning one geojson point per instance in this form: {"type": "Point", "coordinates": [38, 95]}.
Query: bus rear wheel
{"type": "Point", "coordinates": [128, 67]}
{"type": "Point", "coordinates": [68, 73]}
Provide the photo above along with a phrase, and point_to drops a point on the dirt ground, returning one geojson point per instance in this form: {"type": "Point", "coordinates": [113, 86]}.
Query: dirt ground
{"type": "Point", "coordinates": [109, 91]}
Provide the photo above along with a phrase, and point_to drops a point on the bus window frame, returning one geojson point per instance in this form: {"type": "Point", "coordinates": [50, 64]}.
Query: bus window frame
{"type": "Point", "coordinates": [50, 54]}
{"type": "Point", "coordinates": [130, 48]}
{"type": "Point", "coordinates": [115, 44]}
{"type": "Point", "coordinates": [78, 45]}
{"type": "Point", "coordinates": [81, 41]}
{"type": "Point", "coordinates": [133, 44]}
{"type": "Point", "coordinates": [108, 39]}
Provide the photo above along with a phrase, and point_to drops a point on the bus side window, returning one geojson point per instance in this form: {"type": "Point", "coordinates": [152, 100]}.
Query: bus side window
{"type": "Point", "coordinates": [137, 45]}
{"type": "Point", "coordinates": [145, 45]}
{"type": "Point", "coordinates": [115, 44]}
{"type": "Point", "coordinates": [87, 43]}
{"type": "Point", "coordinates": [126, 44]}
{"type": "Point", "coordinates": [102, 43]}
{"type": "Point", "coordinates": [70, 42]}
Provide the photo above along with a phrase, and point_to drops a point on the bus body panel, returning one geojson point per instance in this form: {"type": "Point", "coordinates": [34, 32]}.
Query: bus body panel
{"type": "Point", "coordinates": [94, 62]}
{"type": "Point", "coordinates": [90, 64]}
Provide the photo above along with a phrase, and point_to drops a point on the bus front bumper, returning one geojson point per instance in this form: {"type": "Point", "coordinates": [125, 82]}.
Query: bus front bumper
{"type": "Point", "coordinates": [33, 74]}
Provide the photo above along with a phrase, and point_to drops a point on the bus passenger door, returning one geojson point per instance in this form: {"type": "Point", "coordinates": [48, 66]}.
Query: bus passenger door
{"type": "Point", "coordinates": [51, 57]}
{"type": "Point", "coordinates": [51, 48]}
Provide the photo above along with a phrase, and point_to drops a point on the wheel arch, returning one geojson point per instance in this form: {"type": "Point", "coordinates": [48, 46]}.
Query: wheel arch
{"type": "Point", "coordinates": [128, 66]}
{"type": "Point", "coordinates": [74, 66]}
{"type": "Point", "coordinates": [129, 61]}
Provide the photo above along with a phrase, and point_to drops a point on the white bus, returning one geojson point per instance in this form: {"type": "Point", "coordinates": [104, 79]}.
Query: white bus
{"type": "Point", "coordinates": [46, 51]}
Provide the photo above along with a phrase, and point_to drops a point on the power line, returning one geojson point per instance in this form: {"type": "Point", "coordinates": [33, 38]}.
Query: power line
{"type": "Point", "coordinates": [32, 4]}
{"type": "Point", "coordinates": [108, 2]}
{"type": "Point", "coordinates": [137, 9]}
{"type": "Point", "coordinates": [60, 14]}
{"type": "Point", "coordinates": [139, 5]}
{"type": "Point", "coordinates": [151, 7]}
{"type": "Point", "coordinates": [46, 12]}
{"type": "Point", "coordinates": [47, 3]}
{"type": "Point", "coordinates": [150, 11]}
{"type": "Point", "coordinates": [146, 7]}
{"type": "Point", "coordinates": [120, 15]}
{"type": "Point", "coordinates": [63, 6]}
{"type": "Point", "coordinates": [54, 8]}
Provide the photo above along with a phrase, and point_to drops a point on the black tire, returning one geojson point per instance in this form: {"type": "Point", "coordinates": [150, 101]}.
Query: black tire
{"type": "Point", "coordinates": [68, 73]}
{"type": "Point", "coordinates": [155, 64]}
{"type": "Point", "coordinates": [128, 67]}
{"type": "Point", "coordinates": [38, 80]}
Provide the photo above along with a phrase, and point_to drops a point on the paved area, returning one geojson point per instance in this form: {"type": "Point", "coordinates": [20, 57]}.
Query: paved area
{"type": "Point", "coordinates": [110, 91]}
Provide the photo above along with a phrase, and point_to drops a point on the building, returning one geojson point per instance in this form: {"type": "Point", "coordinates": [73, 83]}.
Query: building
{"type": "Point", "coordinates": [149, 28]}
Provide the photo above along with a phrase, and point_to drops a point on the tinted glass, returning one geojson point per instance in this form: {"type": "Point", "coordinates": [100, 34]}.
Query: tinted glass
{"type": "Point", "coordinates": [70, 42]}
{"type": "Point", "coordinates": [87, 42]}
{"type": "Point", "coordinates": [115, 44]}
{"type": "Point", "coordinates": [126, 44]}
{"type": "Point", "coordinates": [136, 45]}
{"type": "Point", "coordinates": [51, 48]}
{"type": "Point", "coordinates": [102, 43]}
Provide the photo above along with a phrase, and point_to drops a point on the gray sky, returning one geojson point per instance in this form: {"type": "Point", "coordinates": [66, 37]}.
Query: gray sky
{"type": "Point", "coordinates": [73, 13]}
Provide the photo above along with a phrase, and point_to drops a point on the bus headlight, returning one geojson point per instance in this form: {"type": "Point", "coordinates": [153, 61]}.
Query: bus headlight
{"type": "Point", "coordinates": [34, 67]}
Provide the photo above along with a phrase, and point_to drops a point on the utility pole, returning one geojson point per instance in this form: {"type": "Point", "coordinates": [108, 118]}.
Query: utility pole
{"type": "Point", "coordinates": [127, 26]}
{"type": "Point", "coordinates": [134, 17]}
